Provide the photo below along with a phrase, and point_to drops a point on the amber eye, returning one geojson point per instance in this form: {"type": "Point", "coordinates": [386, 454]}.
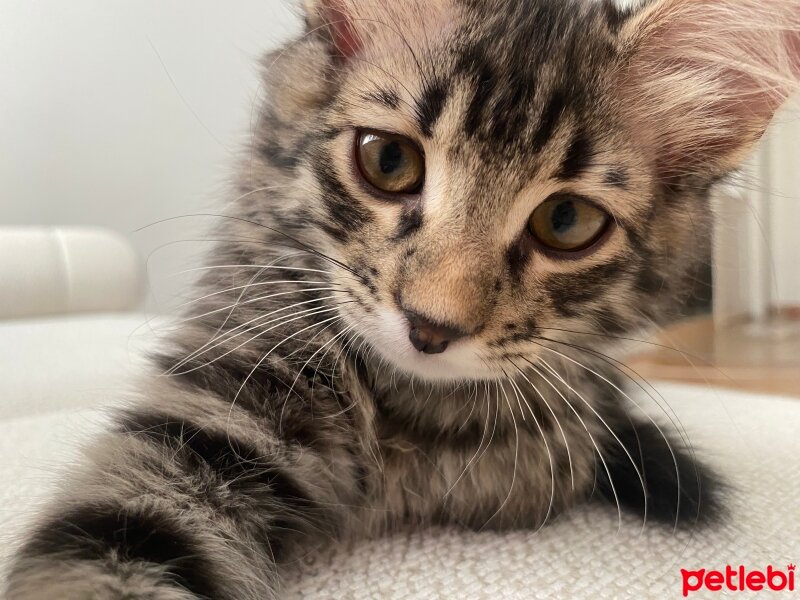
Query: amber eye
{"type": "Point", "coordinates": [390, 163]}
{"type": "Point", "coordinates": [568, 223]}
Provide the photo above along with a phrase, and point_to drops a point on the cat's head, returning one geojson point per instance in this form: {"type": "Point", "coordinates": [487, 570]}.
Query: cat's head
{"type": "Point", "coordinates": [493, 174]}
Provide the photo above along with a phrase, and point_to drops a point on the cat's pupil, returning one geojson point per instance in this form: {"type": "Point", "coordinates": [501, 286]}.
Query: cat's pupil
{"type": "Point", "coordinates": [391, 158]}
{"type": "Point", "coordinates": [565, 217]}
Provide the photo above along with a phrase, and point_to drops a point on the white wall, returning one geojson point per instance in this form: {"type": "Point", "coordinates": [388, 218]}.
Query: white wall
{"type": "Point", "coordinates": [94, 130]}
{"type": "Point", "coordinates": [782, 180]}
{"type": "Point", "coordinates": [758, 228]}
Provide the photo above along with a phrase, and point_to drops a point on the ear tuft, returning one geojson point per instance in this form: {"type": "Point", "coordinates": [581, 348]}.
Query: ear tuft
{"type": "Point", "coordinates": [334, 18]}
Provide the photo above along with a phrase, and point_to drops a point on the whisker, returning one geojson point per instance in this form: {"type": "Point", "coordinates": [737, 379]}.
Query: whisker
{"type": "Point", "coordinates": [229, 335]}
{"type": "Point", "coordinates": [263, 267]}
{"type": "Point", "coordinates": [588, 433]}
{"type": "Point", "coordinates": [619, 338]}
{"type": "Point", "coordinates": [327, 345]}
{"type": "Point", "coordinates": [487, 397]}
{"type": "Point", "coordinates": [239, 299]}
{"type": "Point", "coordinates": [516, 458]}
{"type": "Point", "coordinates": [646, 415]}
{"type": "Point", "coordinates": [474, 406]}
{"type": "Point", "coordinates": [302, 244]}
{"type": "Point", "coordinates": [494, 425]}
{"type": "Point", "coordinates": [300, 371]}
{"type": "Point", "coordinates": [638, 380]}
{"type": "Point", "coordinates": [267, 355]}
{"type": "Point", "coordinates": [586, 428]}
{"type": "Point", "coordinates": [555, 418]}
{"type": "Point", "coordinates": [549, 456]}
{"type": "Point", "coordinates": [605, 424]}
{"type": "Point", "coordinates": [344, 350]}
{"type": "Point", "coordinates": [282, 323]}
{"type": "Point", "coordinates": [343, 334]}
{"type": "Point", "coordinates": [253, 285]}
{"type": "Point", "coordinates": [256, 300]}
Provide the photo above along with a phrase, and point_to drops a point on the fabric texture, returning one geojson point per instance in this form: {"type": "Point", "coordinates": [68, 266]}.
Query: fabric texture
{"type": "Point", "coordinates": [589, 553]}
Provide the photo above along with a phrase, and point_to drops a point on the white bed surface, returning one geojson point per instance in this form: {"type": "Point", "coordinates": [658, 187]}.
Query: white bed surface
{"type": "Point", "coordinates": [73, 362]}
{"type": "Point", "coordinates": [63, 371]}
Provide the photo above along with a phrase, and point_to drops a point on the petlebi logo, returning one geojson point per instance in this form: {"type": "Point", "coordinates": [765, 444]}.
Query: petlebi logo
{"type": "Point", "coordinates": [739, 579]}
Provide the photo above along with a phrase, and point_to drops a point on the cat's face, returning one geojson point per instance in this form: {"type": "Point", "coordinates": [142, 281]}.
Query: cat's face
{"type": "Point", "coordinates": [517, 206]}
{"type": "Point", "coordinates": [488, 174]}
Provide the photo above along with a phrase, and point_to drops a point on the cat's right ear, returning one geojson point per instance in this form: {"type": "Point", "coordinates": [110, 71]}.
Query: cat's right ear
{"type": "Point", "coordinates": [334, 20]}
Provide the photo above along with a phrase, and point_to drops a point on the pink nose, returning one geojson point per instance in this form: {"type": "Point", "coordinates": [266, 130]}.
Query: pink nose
{"type": "Point", "coordinates": [428, 337]}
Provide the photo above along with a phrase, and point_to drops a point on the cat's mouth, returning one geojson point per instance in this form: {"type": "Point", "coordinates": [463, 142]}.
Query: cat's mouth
{"type": "Point", "coordinates": [432, 355]}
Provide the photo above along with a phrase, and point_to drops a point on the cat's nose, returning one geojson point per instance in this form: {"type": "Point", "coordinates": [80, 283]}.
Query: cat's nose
{"type": "Point", "coordinates": [429, 337]}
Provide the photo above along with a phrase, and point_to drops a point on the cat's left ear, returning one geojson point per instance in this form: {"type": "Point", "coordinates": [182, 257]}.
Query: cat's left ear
{"type": "Point", "coordinates": [701, 79]}
{"type": "Point", "coordinates": [335, 19]}
{"type": "Point", "coordinates": [355, 27]}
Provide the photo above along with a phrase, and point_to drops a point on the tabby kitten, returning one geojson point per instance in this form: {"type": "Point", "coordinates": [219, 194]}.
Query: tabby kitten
{"type": "Point", "coordinates": [453, 211]}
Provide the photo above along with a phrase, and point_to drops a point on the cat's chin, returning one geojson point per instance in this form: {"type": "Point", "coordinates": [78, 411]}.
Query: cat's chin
{"type": "Point", "coordinates": [388, 336]}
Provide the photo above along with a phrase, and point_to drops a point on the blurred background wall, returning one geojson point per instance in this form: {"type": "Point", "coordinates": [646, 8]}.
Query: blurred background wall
{"type": "Point", "coordinates": [120, 113]}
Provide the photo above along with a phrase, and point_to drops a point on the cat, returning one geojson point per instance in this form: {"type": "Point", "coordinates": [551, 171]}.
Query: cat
{"type": "Point", "coordinates": [452, 215]}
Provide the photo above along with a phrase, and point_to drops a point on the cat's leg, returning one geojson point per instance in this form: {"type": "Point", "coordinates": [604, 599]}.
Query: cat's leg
{"type": "Point", "coordinates": [190, 499]}
{"type": "Point", "coordinates": [659, 477]}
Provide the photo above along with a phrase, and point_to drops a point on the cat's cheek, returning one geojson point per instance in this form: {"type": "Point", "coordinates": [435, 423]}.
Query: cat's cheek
{"type": "Point", "coordinates": [387, 333]}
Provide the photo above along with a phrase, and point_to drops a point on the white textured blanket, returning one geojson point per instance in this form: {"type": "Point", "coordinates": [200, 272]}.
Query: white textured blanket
{"type": "Point", "coordinates": [752, 440]}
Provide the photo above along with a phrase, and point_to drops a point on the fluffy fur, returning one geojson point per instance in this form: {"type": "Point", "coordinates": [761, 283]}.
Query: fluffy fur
{"type": "Point", "coordinates": [293, 410]}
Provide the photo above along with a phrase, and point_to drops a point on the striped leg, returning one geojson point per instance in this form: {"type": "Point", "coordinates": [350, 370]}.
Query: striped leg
{"type": "Point", "coordinates": [202, 505]}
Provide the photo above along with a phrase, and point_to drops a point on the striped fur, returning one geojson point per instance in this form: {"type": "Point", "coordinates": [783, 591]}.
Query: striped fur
{"type": "Point", "coordinates": [293, 411]}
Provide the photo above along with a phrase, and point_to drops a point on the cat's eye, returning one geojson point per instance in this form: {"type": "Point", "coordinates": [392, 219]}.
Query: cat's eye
{"type": "Point", "coordinates": [567, 223]}
{"type": "Point", "coordinates": [390, 163]}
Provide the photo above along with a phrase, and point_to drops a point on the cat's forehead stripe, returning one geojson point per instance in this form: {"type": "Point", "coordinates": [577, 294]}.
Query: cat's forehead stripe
{"type": "Point", "coordinates": [578, 157]}
{"type": "Point", "coordinates": [431, 104]}
{"type": "Point", "coordinates": [549, 121]}
{"type": "Point", "coordinates": [385, 97]}
{"type": "Point", "coordinates": [474, 66]}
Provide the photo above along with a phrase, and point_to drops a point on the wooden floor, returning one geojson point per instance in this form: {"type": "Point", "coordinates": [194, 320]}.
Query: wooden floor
{"type": "Point", "coordinates": [746, 357]}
